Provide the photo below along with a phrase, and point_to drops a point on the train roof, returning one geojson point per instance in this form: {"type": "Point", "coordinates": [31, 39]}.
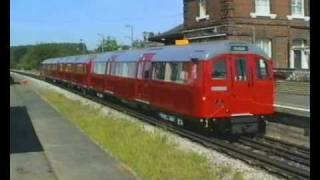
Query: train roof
{"type": "Point", "coordinates": [103, 57]}
{"type": "Point", "coordinates": [205, 51]}
{"type": "Point", "coordinates": [86, 58]}
{"type": "Point", "coordinates": [199, 51]}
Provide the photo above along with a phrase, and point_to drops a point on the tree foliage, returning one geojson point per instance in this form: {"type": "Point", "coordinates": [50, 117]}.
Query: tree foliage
{"type": "Point", "coordinates": [109, 44]}
{"type": "Point", "coordinates": [31, 56]}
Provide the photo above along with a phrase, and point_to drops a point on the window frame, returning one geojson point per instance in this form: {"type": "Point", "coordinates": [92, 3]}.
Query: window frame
{"type": "Point", "coordinates": [268, 13]}
{"type": "Point", "coordinates": [267, 8]}
{"type": "Point", "coordinates": [202, 11]}
{"type": "Point", "coordinates": [269, 44]}
{"type": "Point", "coordinates": [302, 8]}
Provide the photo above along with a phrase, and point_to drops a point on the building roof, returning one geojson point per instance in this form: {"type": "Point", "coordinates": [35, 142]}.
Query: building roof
{"type": "Point", "coordinates": [170, 35]}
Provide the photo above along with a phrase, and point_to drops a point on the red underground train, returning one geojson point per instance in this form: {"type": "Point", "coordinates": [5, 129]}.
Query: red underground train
{"type": "Point", "coordinates": [224, 86]}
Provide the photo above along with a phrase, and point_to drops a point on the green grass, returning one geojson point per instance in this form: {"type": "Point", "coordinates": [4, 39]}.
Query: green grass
{"type": "Point", "coordinates": [150, 155]}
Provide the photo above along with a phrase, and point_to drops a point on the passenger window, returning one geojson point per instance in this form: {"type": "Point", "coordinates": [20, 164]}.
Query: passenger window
{"type": "Point", "coordinates": [219, 70]}
{"type": "Point", "coordinates": [100, 68]}
{"type": "Point", "coordinates": [241, 72]}
{"type": "Point", "coordinates": [158, 71]}
{"type": "Point", "coordinates": [194, 71]}
{"type": "Point", "coordinates": [79, 69]}
{"type": "Point", "coordinates": [108, 68]}
{"type": "Point", "coordinates": [146, 70]}
{"type": "Point", "coordinates": [132, 69]}
{"type": "Point", "coordinates": [171, 71]}
{"type": "Point", "coordinates": [179, 72]}
{"type": "Point", "coordinates": [140, 68]}
{"type": "Point", "coordinates": [262, 69]}
{"type": "Point", "coordinates": [113, 68]}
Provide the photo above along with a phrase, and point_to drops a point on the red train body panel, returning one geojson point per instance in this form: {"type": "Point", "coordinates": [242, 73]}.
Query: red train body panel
{"type": "Point", "coordinates": [219, 81]}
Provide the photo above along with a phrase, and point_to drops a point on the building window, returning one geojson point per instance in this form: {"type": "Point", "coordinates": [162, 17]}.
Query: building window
{"type": "Point", "coordinates": [299, 55]}
{"type": "Point", "coordinates": [265, 44]}
{"type": "Point", "coordinates": [202, 10]}
{"type": "Point", "coordinates": [262, 8]}
{"type": "Point", "coordinates": [297, 7]}
{"type": "Point", "coordinates": [297, 10]}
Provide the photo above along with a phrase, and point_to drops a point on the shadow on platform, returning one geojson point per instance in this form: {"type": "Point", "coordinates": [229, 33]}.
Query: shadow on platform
{"type": "Point", "coordinates": [22, 135]}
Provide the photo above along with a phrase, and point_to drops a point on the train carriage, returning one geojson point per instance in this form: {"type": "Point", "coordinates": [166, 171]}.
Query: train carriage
{"type": "Point", "coordinates": [224, 85]}
{"type": "Point", "coordinates": [98, 72]}
{"type": "Point", "coordinates": [81, 70]}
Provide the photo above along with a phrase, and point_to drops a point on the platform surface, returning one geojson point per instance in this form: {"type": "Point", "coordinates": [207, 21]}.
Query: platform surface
{"type": "Point", "coordinates": [44, 145]}
{"type": "Point", "coordinates": [293, 104]}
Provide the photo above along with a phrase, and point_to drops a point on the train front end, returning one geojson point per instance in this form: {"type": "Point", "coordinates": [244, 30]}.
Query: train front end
{"type": "Point", "coordinates": [238, 90]}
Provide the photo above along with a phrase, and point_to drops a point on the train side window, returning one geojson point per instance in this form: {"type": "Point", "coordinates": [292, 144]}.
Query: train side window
{"type": "Point", "coordinates": [179, 72]}
{"type": "Point", "coordinates": [100, 68]}
{"type": "Point", "coordinates": [168, 72]}
{"type": "Point", "coordinates": [139, 71]}
{"type": "Point", "coordinates": [132, 68]}
{"type": "Point", "coordinates": [113, 68]}
{"type": "Point", "coordinates": [220, 70]}
{"type": "Point", "coordinates": [118, 68]}
{"type": "Point", "coordinates": [79, 69]}
{"type": "Point", "coordinates": [262, 69]}
{"type": "Point", "coordinates": [241, 70]}
{"type": "Point", "coordinates": [108, 67]}
{"type": "Point", "coordinates": [158, 70]}
{"type": "Point", "coordinates": [146, 70]}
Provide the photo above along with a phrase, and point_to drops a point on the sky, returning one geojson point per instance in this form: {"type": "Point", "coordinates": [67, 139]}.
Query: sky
{"type": "Point", "coordinates": [46, 21]}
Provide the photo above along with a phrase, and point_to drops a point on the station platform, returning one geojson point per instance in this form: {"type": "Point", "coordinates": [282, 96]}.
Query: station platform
{"type": "Point", "coordinates": [294, 104]}
{"type": "Point", "coordinates": [44, 145]}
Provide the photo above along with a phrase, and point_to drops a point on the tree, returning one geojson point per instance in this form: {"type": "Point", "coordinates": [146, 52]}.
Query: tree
{"type": "Point", "coordinates": [31, 56]}
{"type": "Point", "coordinates": [147, 35]}
{"type": "Point", "coordinates": [138, 44]}
{"type": "Point", "coordinates": [109, 44]}
{"type": "Point", "coordinates": [124, 47]}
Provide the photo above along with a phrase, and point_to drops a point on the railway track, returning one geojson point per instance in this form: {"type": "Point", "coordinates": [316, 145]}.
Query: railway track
{"type": "Point", "coordinates": [284, 159]}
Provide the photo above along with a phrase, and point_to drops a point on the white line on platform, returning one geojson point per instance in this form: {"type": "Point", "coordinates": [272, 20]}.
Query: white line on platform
{"type": "Point", "coordinates": [291, 107]}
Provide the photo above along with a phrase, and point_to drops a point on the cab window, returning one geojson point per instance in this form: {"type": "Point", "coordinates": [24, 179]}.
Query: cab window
{"type": "Point", "coordinates": [262, 69]}
{"type": "Point", "coordinates": [219, 70]}
{"type": "Point", "coordinates": [241, 67]}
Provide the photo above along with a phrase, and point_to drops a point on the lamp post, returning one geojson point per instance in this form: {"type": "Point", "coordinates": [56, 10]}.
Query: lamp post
{"type": "Point", "coordinates": [131, 33]}
{"type": "Point", "coordinates": [102, 43]}
{"type": "Point", "coordinates": [82, 43]}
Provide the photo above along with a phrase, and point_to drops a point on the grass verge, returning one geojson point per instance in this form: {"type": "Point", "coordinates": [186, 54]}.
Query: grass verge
{"type": "Point", "coordinates": [150, 155]}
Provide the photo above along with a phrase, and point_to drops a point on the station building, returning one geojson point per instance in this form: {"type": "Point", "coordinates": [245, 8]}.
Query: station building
{"type": "Point", "coordinates": [280, 27]}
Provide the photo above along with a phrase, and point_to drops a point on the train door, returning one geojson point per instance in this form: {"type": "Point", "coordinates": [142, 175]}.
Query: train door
{"type": "Point", "coordinates": [263, 85]}
{"type": "Point", "coordinates": [242, 90]}
{"type": "Point", "coordinates": [219, 86]}
{"type": "Point", "coordinates": [143, 78]}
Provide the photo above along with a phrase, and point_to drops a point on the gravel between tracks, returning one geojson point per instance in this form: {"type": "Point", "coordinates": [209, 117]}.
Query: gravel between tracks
{"type": "Point", "coordinates": [217, 159]}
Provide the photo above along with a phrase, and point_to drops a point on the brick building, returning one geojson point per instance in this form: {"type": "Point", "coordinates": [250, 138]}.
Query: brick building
{"type": "Point", "coordinates": [280, 27]}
